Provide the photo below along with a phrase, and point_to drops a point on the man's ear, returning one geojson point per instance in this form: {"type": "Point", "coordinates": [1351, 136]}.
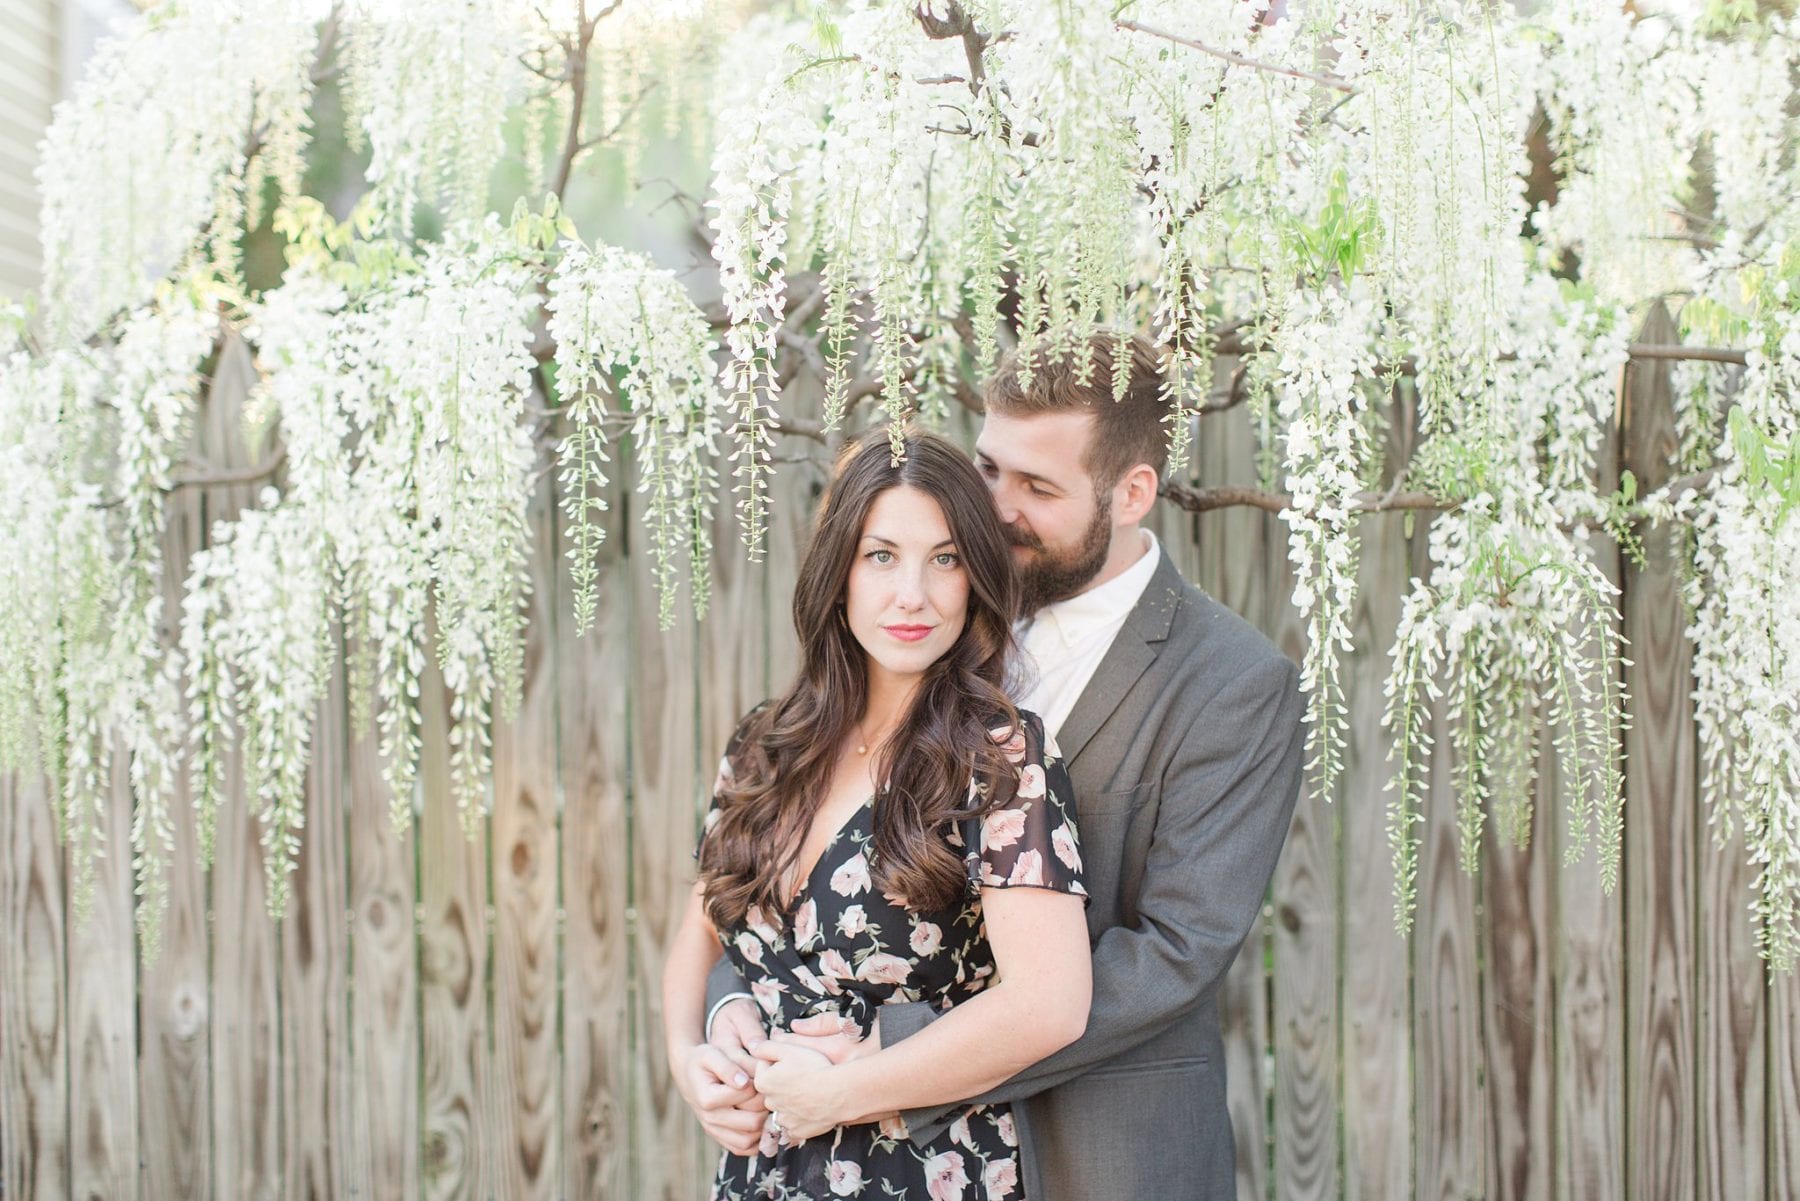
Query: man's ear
{"type": "Point", "coordinates": [1134, 494]}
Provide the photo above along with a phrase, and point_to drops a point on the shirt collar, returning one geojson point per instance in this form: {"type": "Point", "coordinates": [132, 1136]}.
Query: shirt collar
{"type": "Point", "coordinates": [1076, 617]}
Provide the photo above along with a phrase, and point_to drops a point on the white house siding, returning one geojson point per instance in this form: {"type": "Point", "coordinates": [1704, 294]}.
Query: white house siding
{"type": "Point", "coordinates": [30, 69]}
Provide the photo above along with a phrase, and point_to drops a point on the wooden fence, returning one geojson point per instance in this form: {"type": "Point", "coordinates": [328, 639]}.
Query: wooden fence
{"type": "Point", "coordinates": [445, 1018]}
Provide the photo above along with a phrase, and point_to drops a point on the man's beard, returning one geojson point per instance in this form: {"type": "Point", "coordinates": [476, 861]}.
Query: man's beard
{"type": "Point", "coordinates": [1049, 576]}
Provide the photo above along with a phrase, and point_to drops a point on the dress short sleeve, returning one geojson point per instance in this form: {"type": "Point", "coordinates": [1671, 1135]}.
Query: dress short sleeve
{"type": "Point", "coordinates": [733, 746]}
{"type": "Point", "coordinates": [1030, 839]}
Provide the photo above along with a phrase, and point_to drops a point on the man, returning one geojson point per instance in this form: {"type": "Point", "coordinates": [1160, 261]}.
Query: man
{"type": "Point", "coordinates": [1180, 726]}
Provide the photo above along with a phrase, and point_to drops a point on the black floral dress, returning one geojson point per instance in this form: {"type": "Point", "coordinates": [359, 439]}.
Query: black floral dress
{"type": "Point", "coordinates": [847, 949]}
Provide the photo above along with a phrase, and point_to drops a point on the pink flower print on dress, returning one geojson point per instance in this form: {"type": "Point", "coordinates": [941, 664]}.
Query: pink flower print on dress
{"type": "Point", "coordinates": [833, 967]}
{"type": "Point", "coordinates": [851, 877]}
{"type": "Point", "coordinates": [894, 1126]}
{"type": "Point", "coordinates": [760, 925]}
{"type": "Point", "coordinates": [1001, 1177]}
{"type": "Point", "coordinates": [750, 947]}
{"type": "Point", "coordinates": [959, 1133]}
{"type": "Point", "coordinates": [945, 1179]}
{"type": "Point", "coordinates": [1027, 869]}
{"type": "Point", "coordinates": [806, 925]}
{"type": "Point", "coordinates": [927, 937]}
{"type": "Point", "coordinates": [1011, 740]}
{"type": "Point", "coordinates": [1001, 828]}
{"type": "Point", "coordinates": [882, 968]}
{"type": "Point", "coordinates": [1009, 1134]}
{"type": "Point", "coordinates": [852, 921]}
{"type": "Point", "coordinates": [844, 1176]}
{"type": "Point", "coordinates": [767, 994]}
{"type": "Point", "coordinates": [1031, 782]}
{"type": "Point", "coordinates": [1062, 841]}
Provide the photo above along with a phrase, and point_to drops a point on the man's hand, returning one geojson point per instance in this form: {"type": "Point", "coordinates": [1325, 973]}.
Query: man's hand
{"type": "Point", "coordinates": [723, 1096]}
{"type": "Point", "coordinates": [833, 1036]}
{"type": "Point", "coordinates": [737, 1030]}
{"type": "Point", "coordinates": [797, 1086]}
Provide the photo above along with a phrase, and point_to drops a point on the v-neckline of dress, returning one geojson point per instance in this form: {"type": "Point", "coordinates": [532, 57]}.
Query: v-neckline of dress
{"type": "Point", "coordinates": [806, 881]}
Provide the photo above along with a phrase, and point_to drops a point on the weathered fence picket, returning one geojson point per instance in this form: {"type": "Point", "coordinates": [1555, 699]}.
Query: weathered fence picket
{"type": "Point", "coordinates": [449, 1017]}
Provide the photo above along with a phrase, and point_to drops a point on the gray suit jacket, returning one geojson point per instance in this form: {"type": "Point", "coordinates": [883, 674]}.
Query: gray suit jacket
{"type": "Point", "coordinates": [1185, 753]}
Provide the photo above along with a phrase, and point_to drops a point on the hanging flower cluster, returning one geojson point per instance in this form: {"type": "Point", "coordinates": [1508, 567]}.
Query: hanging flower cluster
{"type": "Point", "coordinates": [623, 326]}
{"type": "Point", "coordinates": [428, 88]}
{"type": "Point", "coordinates": [1437, 219]}
{"type": "Point", "coordinates": [1746, 626]}
{"type": "Point", "coordinates": [91, 434]}
{"type": "Point", "coordinates": [1323, 348]}
{"type": "Point", "coordinates": [138, 176]}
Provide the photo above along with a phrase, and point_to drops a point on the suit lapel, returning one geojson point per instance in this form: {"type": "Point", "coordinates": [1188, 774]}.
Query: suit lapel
{"type": "Point", "coordinates": [1132, 651]}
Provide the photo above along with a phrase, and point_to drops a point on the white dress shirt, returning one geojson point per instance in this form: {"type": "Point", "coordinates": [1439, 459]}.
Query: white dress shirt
{"type": "Point", "coordinates": [1061, 644]}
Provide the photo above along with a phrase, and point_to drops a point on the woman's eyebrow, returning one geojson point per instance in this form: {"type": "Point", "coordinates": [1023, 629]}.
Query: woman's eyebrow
{"type": "Point", "coordinates": [891, 542]}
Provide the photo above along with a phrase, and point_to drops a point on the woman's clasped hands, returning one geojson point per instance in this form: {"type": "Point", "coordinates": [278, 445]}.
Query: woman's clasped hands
{"type": "Point", "coordinates": [799, 1088]}
{"type": "Point", "coordinates": [723, 1094]}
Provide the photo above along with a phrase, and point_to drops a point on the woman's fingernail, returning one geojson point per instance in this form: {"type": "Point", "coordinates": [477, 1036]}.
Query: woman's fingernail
{"type": "Point", "coordinates": [741, 1080]}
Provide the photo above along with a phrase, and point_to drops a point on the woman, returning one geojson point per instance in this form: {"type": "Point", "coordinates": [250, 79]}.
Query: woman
{"type": "Point", "coordinates": [891, 828]}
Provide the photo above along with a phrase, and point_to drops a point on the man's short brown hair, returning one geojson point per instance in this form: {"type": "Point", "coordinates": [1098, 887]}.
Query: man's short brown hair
{"type": "Point", "coordinates": [1127, 431]}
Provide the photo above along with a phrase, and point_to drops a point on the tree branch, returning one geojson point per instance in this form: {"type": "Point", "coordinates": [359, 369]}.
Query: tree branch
{"type": "Point", "coordinates": [1676, 351]}
{"type": "Point", "coordinates": [956, 23]}
{"type": "Point", "coordinates": [207, 477]}
{"type": "Point", "coordinates": [578, 81]}
{"type": "Point", "coordinates": [1228, 496]}
{"type": "Point", "coordinates": [613, 131]}
{"type": "Point", "coordinates": [1329, 81]}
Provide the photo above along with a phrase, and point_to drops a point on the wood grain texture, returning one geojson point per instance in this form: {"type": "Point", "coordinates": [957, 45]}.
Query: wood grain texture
{"type": "Point", "coordinates": [1228, 554]}
{"type": "Point", "coordinates": [666, 784]}
{"type": "Point", "coordinates": [103, 1063]}
{"type": "Point", "coordinates": [1784, 1088]}
{"type": "Point", "coordinates": [527, 1088]}
{"type": "Point", "coordinates": [34, 1052]}
{"type": "Point", "coordinates": [1517, 1012]}
{"type": "Point", "coordinates": [1590, 990]}
{"type": "Point", "coordinates": [384, 991]}
{"type": "Point", "coordinates": [246, 1028]}
{"type": "Point", "coordinates": [1306, 933]}
{"type": "Point", "coordinates": [1450, 1099]}
{"type": "Point", "coordinates": [315, 948]}
{"type": "Point", "coordinates": [591, 679]}
{"type": "Point", "coordinates": [1660, 821]}
{"type": "Point", "coordinates": [1732, 1101]}
{"type": "Point", "coordinates": [1373, 1001]}
{"type": "Point", "coordinates": [175, 990]}
{"type": "Point", "coordinates": [456, 1095]}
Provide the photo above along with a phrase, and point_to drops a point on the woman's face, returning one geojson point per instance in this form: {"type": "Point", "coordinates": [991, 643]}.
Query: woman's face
{"type": "Point", "coordinates": [908, 595]}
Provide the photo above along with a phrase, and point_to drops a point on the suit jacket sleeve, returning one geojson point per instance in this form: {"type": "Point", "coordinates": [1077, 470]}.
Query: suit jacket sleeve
{"type": "Point", "coordinates": [1227, 799]}
{"type": "Point", "coordinates": [722, 984]}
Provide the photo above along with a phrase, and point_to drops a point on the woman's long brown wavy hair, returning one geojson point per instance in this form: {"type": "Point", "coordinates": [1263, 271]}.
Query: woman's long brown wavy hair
{"type": "Point", "coordinates": [783, 761]}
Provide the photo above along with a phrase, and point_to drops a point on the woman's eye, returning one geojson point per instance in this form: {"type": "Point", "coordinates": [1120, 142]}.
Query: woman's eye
{"type": "Point", "coordinates": [947, 559]}
{"type": "Point", "coordinates": [879, 556]}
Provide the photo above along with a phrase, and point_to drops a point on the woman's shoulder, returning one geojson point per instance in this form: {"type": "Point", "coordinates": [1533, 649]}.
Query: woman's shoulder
{"type": "Point", "coordinates": [750, 724]}
{"type": "Point", "coordinates": [1023, 739]}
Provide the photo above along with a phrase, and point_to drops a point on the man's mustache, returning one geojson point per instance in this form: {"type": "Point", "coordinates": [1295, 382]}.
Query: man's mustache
{"type": "Point", "coordinates": [1025, 538]}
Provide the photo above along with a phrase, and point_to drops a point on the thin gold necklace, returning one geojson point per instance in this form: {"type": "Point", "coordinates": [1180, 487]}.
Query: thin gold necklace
{"type": "Point", "coordinates": [862, 740]}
